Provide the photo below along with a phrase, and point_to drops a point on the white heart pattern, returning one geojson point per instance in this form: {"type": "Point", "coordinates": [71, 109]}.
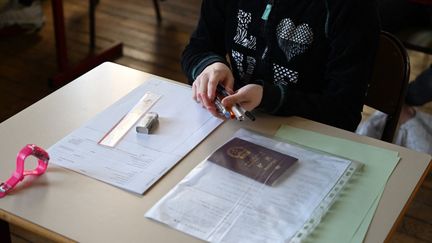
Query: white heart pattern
{"type": "Point", "coordinates": [293, 40]}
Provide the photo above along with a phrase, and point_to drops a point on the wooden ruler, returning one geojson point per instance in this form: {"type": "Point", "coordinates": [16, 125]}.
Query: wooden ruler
{"type": "Point", "coordinates": [113, 136]}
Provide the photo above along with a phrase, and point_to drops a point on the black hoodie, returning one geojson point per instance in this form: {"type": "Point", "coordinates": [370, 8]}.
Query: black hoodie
{"type": "Point", "coordinates": [313, 57]}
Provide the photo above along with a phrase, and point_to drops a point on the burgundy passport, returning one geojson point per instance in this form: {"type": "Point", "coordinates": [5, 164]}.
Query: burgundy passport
{"type": "Point", "coordinates": [252, 160]}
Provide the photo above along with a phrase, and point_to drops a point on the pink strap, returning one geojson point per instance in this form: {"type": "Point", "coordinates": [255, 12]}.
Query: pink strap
{"type": "Point", "coordinates": [18, 175]}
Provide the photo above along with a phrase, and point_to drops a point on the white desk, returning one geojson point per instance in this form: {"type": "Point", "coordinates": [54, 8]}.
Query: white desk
{"type": "Point", "coordinates": [63, 205]}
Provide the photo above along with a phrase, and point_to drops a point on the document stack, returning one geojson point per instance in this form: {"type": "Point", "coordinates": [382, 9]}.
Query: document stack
{"type": "Point", "coordinates": [256, 189]}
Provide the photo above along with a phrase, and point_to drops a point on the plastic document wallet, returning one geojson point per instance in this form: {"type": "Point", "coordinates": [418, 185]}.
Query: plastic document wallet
{"type": "Point", "coordinates": [255, 189]}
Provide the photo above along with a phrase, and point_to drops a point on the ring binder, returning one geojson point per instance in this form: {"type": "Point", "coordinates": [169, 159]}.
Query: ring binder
{"type": "Point", "coordinates": [326, 203]}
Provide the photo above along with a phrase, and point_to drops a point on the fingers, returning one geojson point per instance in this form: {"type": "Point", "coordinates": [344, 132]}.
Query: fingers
{"type": "Point", "coordinates": [194, 91]}
{"type": "Point", "coordinates": [205, 86]}
{"type": "Point", "coordinates": [231, 100]}
{"type": "Point", "coordinates": [200, 91]}
{"type": "Point", "coordinates": [228, 84]}
{"type": "Point", "coordinates": [202, 87]}
{"type": "Point", "coordinates": [216, 113]}
{"type": "Point", "coordinates": [249, 97]}
{"type": "Point", "coordinates": [207, 103]}
{"type": "Point", "coordinates": [212, 84]}
{"type": "Point", "coordinates": [213, 110]}
{"type": "Point", "coordinates": [209, 78]}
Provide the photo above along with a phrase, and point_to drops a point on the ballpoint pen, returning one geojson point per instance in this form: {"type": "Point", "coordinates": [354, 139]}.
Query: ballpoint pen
{"type": "Point", "coordinates": [237, 109]}
{"type": "Point", "coordinates": [222, 108]}
{"type": "Point", "coordinates": [247, 113]}
{"type": "Point", "coordinates": [237, 112]}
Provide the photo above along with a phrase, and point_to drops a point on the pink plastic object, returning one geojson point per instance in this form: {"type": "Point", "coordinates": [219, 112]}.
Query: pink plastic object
{"type": "Point", "coordinates": [19, 174]}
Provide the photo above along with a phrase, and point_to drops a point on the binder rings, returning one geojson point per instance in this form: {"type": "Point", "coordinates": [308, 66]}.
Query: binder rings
{"type": "Point", "coordinates": [256, 189]}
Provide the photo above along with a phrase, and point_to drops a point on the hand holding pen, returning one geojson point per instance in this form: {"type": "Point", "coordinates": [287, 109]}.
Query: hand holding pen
{"type": "Point", "coordinates": [204, 85]}
{"type": "Point", "coordinates": [204, 91]}
{"type": "Point", "coordinates": [229, 105]}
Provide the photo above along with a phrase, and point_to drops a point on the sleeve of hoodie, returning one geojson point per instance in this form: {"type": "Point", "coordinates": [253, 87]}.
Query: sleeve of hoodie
{"type": "Point", "coordinates": [353, 31]}
{"type": "Point", "coordinates": [207, 43]}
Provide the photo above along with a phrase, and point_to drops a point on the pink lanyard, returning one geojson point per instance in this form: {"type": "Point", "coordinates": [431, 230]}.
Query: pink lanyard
{"type": "Point", "coordinates": [20, 173]}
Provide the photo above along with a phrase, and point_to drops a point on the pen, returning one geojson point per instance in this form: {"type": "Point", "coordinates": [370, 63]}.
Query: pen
{"type": "Point", "coordinates": [247, 113]}
{"type": "Point", "coordinates": [221, 89]}
{"type": "Point", "coordinates": [238, 110]}
{"type": "Point", "coordinates": [222, 108]}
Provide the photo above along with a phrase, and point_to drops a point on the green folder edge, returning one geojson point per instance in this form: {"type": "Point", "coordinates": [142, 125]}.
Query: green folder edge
{"type": "Point", "coordinates": [350, 216]}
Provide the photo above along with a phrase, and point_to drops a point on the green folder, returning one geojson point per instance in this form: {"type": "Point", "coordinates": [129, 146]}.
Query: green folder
{"type": "Point", "coordinates": [350, 216]}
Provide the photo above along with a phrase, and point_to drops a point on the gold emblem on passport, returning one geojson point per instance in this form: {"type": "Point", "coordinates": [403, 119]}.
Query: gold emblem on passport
{"type": "Point", "coordinates": [238, 152]}
{"type": "Point", "coordinates": [252, 160]}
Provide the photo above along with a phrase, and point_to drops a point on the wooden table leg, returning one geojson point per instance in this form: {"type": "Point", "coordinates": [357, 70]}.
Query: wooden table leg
{"type": "Point", "coordinates": [4, 232]}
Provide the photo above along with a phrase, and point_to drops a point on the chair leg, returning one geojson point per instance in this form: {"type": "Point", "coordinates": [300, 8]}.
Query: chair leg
{"type": "Point", "coordinates": [68, 73]}
{"type": "Point", "coordinates": [157, 10]}
{"type": "Point", "coordinates": [60, 35]}
{"type": "Point", "coordinates": [92, 8]}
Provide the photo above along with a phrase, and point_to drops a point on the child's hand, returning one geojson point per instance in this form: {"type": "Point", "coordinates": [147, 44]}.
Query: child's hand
{"type": "Point", "coordinates": [204, 86]}
{"type": "Point", "coordinates": [249, 97]}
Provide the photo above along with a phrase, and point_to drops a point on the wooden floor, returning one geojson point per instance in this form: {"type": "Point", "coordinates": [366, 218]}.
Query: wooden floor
{"type": "Point", "coordinates": [28, 62]}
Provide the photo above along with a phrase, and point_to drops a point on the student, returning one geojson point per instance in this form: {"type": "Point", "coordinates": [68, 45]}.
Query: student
{"type": "Point", "coordinates": [415, 126]}
{"type": "Point", "coordinates": [415, 130]}
{"type": "Point", "coordinates": [296, 57]}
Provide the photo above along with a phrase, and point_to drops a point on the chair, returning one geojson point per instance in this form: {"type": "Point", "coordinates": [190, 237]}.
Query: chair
{"type": "Point", "coordinates": [386, 90]}
{"type": "Point", "coordinates": [68, 72]}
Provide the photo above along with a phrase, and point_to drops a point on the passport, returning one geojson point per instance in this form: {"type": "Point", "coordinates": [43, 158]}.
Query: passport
{"type": "Point", "coordinates": [252, 160]}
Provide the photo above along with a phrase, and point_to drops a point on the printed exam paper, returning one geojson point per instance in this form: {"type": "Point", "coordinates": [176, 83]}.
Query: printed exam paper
{"type": "Point", "coordinates": [138, 160]}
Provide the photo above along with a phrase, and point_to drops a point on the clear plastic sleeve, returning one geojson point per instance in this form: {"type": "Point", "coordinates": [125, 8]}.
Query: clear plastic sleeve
{"type": "Point", "coordinates": [283, 197]}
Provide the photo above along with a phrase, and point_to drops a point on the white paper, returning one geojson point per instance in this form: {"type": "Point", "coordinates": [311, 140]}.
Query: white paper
{"type": "Point", "coordinates": [138, 160]}
{"type": "Point", "coordinates": [218, 205]}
